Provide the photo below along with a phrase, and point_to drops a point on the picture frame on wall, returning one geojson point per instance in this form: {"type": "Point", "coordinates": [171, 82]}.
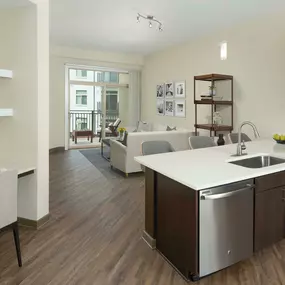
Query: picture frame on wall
{"type": "Point", "coordinates": [169, 107]}
{"type": "Point", "coordinates": [169, 90]}
{"type": "Point", "coordinates": [160, 91]}
{"type": "Point", "coordinates": [160, 107]}
{"type": "Point", "coordinates": [180, 108]}
{"type": "Point", "coordinates": [180, 89]}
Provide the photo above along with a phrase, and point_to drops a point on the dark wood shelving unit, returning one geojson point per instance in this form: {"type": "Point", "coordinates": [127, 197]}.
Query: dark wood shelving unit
{"type": "Point", "coordinates": [214, 102]}
{"type": "Point", "coordinates": [213, 128]}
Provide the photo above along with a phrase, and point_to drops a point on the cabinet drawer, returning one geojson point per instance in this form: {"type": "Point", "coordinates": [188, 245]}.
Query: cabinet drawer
{"type": "Point", "coordinates": [270, 181]}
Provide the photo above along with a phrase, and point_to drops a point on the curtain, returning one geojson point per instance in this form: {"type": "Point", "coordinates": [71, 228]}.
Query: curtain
{"type": "Point", "coordinates": [134, 97]}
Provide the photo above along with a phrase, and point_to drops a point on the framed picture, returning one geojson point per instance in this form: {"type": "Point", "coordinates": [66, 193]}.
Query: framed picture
{"type": "Point", "coordinates": [180, 108]}
{"type": "Point", "coordinates": [160, 107]}
{"type": "Point", "coordinates": [169, 107]}
{"type": "Point", "coordinates": [180, 91]}
{"type": "Point", "coordinates": [169, 90]}
{"type": "Point", "coordinates": [160, 88]}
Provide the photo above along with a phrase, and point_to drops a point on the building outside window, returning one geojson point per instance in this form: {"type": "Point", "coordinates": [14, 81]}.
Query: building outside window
{"type": "Point", "coordinates": [112, 101]}
{"type": "Point", "coordinates": [81, 73]}
{"type": "Point", "coordinates": [81, 97]}
{"type": "Point", "coordinates": [111, 77]}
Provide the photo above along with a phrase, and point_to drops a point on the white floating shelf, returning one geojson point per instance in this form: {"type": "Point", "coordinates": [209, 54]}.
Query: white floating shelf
{"type": "Point", "coordinates": [5, 73]}
{"type": "Point", "coordinates": [6, 112]}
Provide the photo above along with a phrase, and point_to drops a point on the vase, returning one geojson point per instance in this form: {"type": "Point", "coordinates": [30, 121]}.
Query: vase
{"type": "Point", "coordinates": [221, 140]}
{"type": "Point", "coordinates": [121, 136]}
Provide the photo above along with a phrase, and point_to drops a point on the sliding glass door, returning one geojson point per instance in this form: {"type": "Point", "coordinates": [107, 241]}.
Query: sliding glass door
{"type": "Point", "coordinates": [97, 99]}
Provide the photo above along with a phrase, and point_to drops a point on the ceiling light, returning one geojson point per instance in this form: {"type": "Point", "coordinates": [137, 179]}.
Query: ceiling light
{"type": "Point", "coordinates": [151, 19]}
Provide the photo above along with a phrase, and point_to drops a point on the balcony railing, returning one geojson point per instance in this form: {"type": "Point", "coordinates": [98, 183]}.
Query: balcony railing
{"type": "Point", "coordinates": [89, 120]}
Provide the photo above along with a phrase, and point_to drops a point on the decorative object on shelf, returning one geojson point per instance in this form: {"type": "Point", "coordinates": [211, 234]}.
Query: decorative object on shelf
{"type": "Point", "coordinates": [213, 102]}
{"type": "Point", "coordinates": [121, 133]}
{"type": "Point", "coordinates": [160, 88]}
{"type": "Point", "coordinates": [212, 89]}
{"type": "Point", "coordinates": [160, 107]}
{"type": "Point", "coordinates": [169, 89]}
{"type": "Point", "coordinates": [169, 107]}
{"type": "Point", "coordinates": [280, 139]}
{"type": "Point", "coordinates": [217, 118]}
{"type": "Point", "coordinates": [150, 20]}
{"type": "Point", "coordinates": [180, 108]}
{"type": "Point", "coordinates": [221, 140]}
{"type": "Point", "coordinates": [180, 90]}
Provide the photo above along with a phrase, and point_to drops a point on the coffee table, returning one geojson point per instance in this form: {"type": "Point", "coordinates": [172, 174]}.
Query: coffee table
{"type": "Point", "coordinates": [85, 133]}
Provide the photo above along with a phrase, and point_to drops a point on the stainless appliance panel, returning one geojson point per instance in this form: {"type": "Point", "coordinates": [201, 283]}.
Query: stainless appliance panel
{"type": "Point", "coordinates": [226, 226]}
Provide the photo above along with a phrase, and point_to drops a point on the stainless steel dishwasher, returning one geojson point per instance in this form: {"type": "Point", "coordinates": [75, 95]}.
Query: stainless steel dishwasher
{"type": "Point", "coordinates": [226, 226]}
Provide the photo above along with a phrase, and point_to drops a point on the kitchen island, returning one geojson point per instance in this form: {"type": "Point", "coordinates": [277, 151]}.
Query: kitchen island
{"type": "Point", "coordinates": [204, 213]}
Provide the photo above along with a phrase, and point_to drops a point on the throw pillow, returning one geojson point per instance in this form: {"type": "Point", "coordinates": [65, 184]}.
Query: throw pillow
{"type": "Point", "coordinates": [171, 129]}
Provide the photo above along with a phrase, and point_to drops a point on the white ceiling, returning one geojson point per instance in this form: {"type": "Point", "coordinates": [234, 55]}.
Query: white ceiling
{"type": "Point", "coordinates": [13, 3]}
{"type": "Point", "coordinates": [111, 24]}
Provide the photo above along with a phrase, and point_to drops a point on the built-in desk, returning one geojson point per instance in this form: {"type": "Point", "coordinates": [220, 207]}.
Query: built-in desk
{"type": "Point", "coordinates": [26, 172]}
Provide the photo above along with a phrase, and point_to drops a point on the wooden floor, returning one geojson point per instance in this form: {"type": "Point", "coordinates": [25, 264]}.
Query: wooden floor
{"type": "Point", "coordinates": [94, 237]}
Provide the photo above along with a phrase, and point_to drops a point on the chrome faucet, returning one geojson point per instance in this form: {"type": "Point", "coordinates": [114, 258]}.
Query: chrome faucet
{"type": "Point", "coordinates": [241, 145]}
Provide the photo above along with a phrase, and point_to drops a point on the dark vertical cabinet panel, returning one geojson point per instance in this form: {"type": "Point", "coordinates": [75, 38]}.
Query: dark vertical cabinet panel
{"type": "Point", "coordinates": [269, 216]}
{"type": "Point", "coordinates": [177, 224]}
{"type": "Point", "coordinates": [150, 202]}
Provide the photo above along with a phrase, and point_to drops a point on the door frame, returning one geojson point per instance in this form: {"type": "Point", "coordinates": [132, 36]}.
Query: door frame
{"type": "Point", "coordinates": [104, 86]}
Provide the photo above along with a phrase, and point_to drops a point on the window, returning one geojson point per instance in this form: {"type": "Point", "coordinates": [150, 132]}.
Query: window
{"type": "Point", "coordinates": [108, 77]}
{"type": "Point", "coordinates": [81, 124]}
{"type": "Point", "coordinates": [81, 97]}
{"type": "Point", "coordinates": [114, 77]}
{"type": "Point", "coordinates": [111, 100]}
{"type": "Point", "coordinates": [81, 73]}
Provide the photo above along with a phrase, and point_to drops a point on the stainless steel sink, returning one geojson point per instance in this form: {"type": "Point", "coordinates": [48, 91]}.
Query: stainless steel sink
{"type": "Point", "coordinates": [258, 161]}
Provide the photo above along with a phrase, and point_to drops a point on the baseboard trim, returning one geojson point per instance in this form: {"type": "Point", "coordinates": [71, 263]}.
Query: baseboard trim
{"type": "Point", "coordinates": [150, 241]}
{"type": "Point", "coordinates": [32, 223]}
{"type": "Point", "coordinates": [57, 149]}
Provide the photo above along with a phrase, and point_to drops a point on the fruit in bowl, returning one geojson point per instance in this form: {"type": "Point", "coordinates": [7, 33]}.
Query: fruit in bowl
{"type": "Point", "coordinates": [279, 138]}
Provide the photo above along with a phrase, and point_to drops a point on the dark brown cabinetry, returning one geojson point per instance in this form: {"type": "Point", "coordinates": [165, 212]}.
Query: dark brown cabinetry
{"type": "Point", "coordinates": [269, 210]}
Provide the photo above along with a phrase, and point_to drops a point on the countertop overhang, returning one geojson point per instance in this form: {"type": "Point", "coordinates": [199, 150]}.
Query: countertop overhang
{"type": "Point", "coordinates": [208, 167]}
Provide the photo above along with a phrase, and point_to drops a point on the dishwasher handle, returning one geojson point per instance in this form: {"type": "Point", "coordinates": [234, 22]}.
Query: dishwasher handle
{"type": "Point", "coordinates": [227, 194]}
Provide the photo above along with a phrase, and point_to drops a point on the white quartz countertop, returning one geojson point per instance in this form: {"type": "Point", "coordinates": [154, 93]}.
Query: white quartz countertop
{"type": "Point", "coordinates": [208, 167]}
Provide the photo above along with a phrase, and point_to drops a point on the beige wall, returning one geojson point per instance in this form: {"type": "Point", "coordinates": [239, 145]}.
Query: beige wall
{"type": "Point", "coordinates": [18, 28]}
{"type": "Point", "coordinates": [19, 53]}
{"type": "Point", "coordinates": [256, 59]}
{"type": "Point", "coordinates": [24, 34]}
{"type": "Point", "coordinates": [59, 56]}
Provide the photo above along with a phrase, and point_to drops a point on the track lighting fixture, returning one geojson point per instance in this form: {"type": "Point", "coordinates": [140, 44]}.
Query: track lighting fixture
{"type": "Point", "coordinates": [151, 19]}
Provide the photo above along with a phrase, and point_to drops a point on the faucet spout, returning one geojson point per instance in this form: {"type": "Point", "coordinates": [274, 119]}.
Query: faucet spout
{"type": "Point", "coordinates": [241, 147]}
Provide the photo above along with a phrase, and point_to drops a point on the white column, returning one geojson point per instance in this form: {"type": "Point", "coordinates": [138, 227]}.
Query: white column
{"type": "Point", "coordinates": [43, 107]}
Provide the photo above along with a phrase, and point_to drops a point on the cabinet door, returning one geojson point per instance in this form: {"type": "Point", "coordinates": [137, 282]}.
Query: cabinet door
{"type": "Point", "coordinates": [269, 217]}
